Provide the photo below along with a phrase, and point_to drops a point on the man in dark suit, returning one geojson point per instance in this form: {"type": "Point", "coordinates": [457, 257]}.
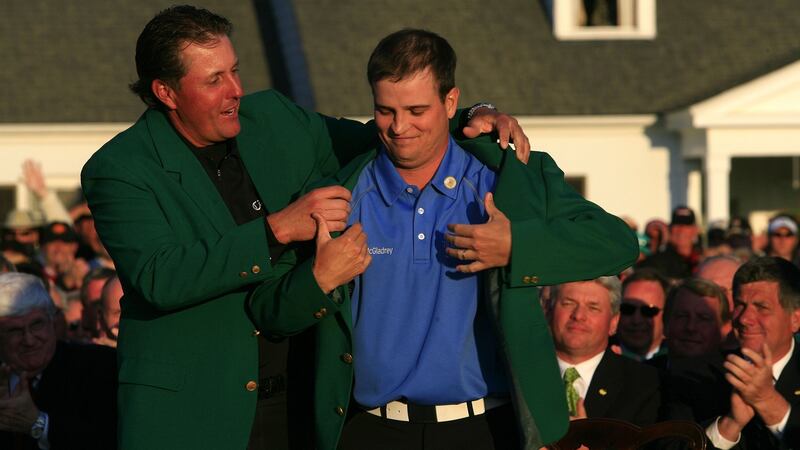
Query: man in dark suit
{"type": "Point", "coordinates": [53, 395]}
{"type": "Point", "coordinates": [764, 408]}
{"type": "Point", "coordinates": [598, 383]}
{"type": "Point", "coordinates": [696, 320]}
{"type": "Point", "coordinates": [195, 204]}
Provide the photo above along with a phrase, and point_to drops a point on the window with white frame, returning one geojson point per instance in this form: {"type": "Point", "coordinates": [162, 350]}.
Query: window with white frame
{"type": "Point", "coordinates": [603, 19]}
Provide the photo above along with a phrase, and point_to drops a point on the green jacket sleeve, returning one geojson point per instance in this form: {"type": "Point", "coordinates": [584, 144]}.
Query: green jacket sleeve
{"type": "Point", "coordinates": [557, 235]}
{"type": "Point", "coordinates": [291, 301]}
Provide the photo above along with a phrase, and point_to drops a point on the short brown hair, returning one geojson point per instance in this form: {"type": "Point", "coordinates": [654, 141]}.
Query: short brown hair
{"type": "Point", "coordinates": [703, 288]}
{"type": "Point", "coordinates": [159, 46]}
{"type": "Point", "coordinates": [409, 51]}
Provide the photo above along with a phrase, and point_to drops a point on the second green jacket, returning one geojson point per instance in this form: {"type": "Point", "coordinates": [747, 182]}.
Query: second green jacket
{"type": "Point", "coordinates": [557, 236]}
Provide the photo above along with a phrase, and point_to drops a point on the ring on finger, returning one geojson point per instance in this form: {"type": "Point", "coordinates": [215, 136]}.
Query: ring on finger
{"type": "Point", "coordinates": [461, 254]}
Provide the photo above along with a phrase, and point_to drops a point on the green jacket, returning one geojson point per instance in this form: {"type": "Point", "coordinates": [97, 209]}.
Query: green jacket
{"type": "Point", "coordinates": [557, 236]}
{"type": "Point", "coordinates": [187, 351]}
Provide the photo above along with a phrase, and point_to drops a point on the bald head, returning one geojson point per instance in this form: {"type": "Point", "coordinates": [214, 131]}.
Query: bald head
{"type": "Point", "coordinates": [110, 311]}
{"type": "Point", "coordinates": [720, 271]}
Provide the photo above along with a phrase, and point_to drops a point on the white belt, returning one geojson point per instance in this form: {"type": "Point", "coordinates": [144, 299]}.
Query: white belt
{"type": "Point", "coordinates": [404, 412]}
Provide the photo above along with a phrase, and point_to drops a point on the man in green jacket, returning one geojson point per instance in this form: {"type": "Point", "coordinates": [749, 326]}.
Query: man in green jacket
{"type": "Point", "coordinates": [196, 203]}
{"type": "Point", "coordinates": [443, 342]}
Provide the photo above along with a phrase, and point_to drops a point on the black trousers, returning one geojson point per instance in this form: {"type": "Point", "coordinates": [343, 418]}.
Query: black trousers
{"type": "Point", "coordinates": [494, 430]}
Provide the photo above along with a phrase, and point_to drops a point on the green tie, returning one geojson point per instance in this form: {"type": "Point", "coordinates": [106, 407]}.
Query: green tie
{"type": "Point", "coordinates": [570, 375]}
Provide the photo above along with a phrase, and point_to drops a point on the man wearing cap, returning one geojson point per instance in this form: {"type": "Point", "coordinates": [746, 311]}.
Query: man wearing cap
{"type": "Point", "coordinates": [58, 245]}
{"type": "Point", "coordinates": [53, 394]}
{"type": "Point", "coordinates": [782, 234]}
{"type": "Point", "coordinates": [680, 257]}
{"type": "Point", "coordinates": [20, 236]}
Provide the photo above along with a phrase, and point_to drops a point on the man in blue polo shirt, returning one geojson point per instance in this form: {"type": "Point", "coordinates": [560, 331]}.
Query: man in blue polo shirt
{"type": "Point", "coordinates": [443, 332]}
{"type": "Point", "coordinates": [427, 374]}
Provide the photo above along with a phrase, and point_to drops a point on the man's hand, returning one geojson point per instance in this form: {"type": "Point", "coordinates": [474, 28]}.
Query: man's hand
{"type": "Point", "coordinates": [294, 223]}
{"type": "Point", "coordinates": [17, 411]}
{"type": "Point", "coordinates": [753, 381]}
{"type": "Point", "coordinates": [487, 245]}
{"type": "Point", "coordinates": [339, 260]}
{"type": "Point", "coordinates": [486, 120]}
{"type": "Point", "coordinates": [731, 424]}
{"type": "Point", "coordinates": [34, 179]}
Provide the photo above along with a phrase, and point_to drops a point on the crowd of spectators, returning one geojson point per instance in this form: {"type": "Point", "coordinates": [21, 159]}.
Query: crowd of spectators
{"type": "Point", "coordinates": [59, 314]}
{"type": "Point", "coordinates": [679, 335]}
{"type": "Point", "coordinates": [699, 329]}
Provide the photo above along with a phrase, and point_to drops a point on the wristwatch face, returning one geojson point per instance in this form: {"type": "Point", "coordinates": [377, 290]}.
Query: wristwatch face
{"type": "Point", "coordinates": [38, 427]}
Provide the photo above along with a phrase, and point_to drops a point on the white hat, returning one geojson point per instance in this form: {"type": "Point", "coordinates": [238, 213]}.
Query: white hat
{"type": "Point", "coordinates": [18, 218]}
{"type": "Point", "coordinates": [782, 222]}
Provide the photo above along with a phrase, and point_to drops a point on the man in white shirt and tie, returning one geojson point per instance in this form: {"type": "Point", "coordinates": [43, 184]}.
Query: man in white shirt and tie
{"type": "Point", "coordinates": [765, 377]}
{"type": "Point", "coordinates": [598, 383]}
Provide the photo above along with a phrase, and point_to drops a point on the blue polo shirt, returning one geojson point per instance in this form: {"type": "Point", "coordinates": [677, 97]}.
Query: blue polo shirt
{"type": "Point", "coordinates": [419, 328]}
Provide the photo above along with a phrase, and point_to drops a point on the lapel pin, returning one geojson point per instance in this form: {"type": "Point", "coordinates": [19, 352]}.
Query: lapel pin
{"type": "Point", "coordinates": [450, 182]}
{"type": "Point", "coordinates": [602, 391]}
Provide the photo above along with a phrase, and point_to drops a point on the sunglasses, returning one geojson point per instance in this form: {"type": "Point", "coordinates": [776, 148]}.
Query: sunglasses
{"type": "Point", "coordinates": [629, 309]}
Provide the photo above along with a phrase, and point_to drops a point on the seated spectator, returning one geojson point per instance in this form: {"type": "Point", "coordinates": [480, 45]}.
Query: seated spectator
{"type": "Point", "coordinates": [90, 247]}
{"type": "Point", "coordinates": [740, 238]}
{"type": "Point", "coordinates": [681, 256]}
{"type": "Point", "coordinates": [91, 296]}
{"type": "Point", "coordinates": [582, 315]}
{"type": "Point", "coordinates": [782, 239]}
{"type": "Point", "coordinates": [720, 271]}
{"type": "Point", "coordinates": [696, 318]}
{"type": "Point", "coordinates": [764, 408]}
{"type": "Point", "coordinates": [716, 242]}
{"type": "Point", "coordinates": [20, 238]}
{"type": "Point", "coordinates": [657, 232]}
{"type": "Point", "coordinates": [59, 244]}
{"type": "Point", "coordinates": [109, 312]}
{"type": "Point", "coordinates": [641, 327]}
{"type": "Point", "coordinates": [53, 394]}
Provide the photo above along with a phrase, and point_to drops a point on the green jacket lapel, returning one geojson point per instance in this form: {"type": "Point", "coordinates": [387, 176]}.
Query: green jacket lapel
{"type": "Point", "coordinates": [256, 143]}
{"type": "Point", "coordinates": [178, 160]}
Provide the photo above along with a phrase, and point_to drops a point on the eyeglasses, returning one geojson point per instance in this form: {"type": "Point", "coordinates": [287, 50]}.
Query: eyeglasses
{"type": "Point", "coordinates": [35, 327]}
{"type": "Point", "coordinates": [629, 309]}
{"type": "Point", "coordinates": [782, 235]}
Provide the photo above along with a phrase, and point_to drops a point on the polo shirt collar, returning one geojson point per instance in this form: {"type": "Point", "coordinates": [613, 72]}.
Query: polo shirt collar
{"type": "Point", "coordinates": [446, 179]}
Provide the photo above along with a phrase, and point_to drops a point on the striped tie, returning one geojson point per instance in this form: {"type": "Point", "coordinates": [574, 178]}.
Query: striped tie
{"type": "Point", "coordinates": [570, 375]}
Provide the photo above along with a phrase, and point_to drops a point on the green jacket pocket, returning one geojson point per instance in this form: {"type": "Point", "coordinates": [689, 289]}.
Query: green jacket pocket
{"type": "Point", "coordinates": [152, 373]}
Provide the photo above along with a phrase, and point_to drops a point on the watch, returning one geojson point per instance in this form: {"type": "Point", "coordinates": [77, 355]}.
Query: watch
{"type": "Point", "coordinates": [37, 430]}
{"type": "Point", "coordinates": [477, 106]}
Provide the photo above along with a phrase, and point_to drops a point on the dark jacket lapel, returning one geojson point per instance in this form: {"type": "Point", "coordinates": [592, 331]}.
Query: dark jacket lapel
{"type": "Point", "coordinates": [605, 387]}
{"type": "Point", "coordinates": [788, 383]}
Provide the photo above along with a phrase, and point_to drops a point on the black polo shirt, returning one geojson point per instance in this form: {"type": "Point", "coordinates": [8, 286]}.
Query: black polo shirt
{"type": "Point", "coordinates": [225, 168]}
